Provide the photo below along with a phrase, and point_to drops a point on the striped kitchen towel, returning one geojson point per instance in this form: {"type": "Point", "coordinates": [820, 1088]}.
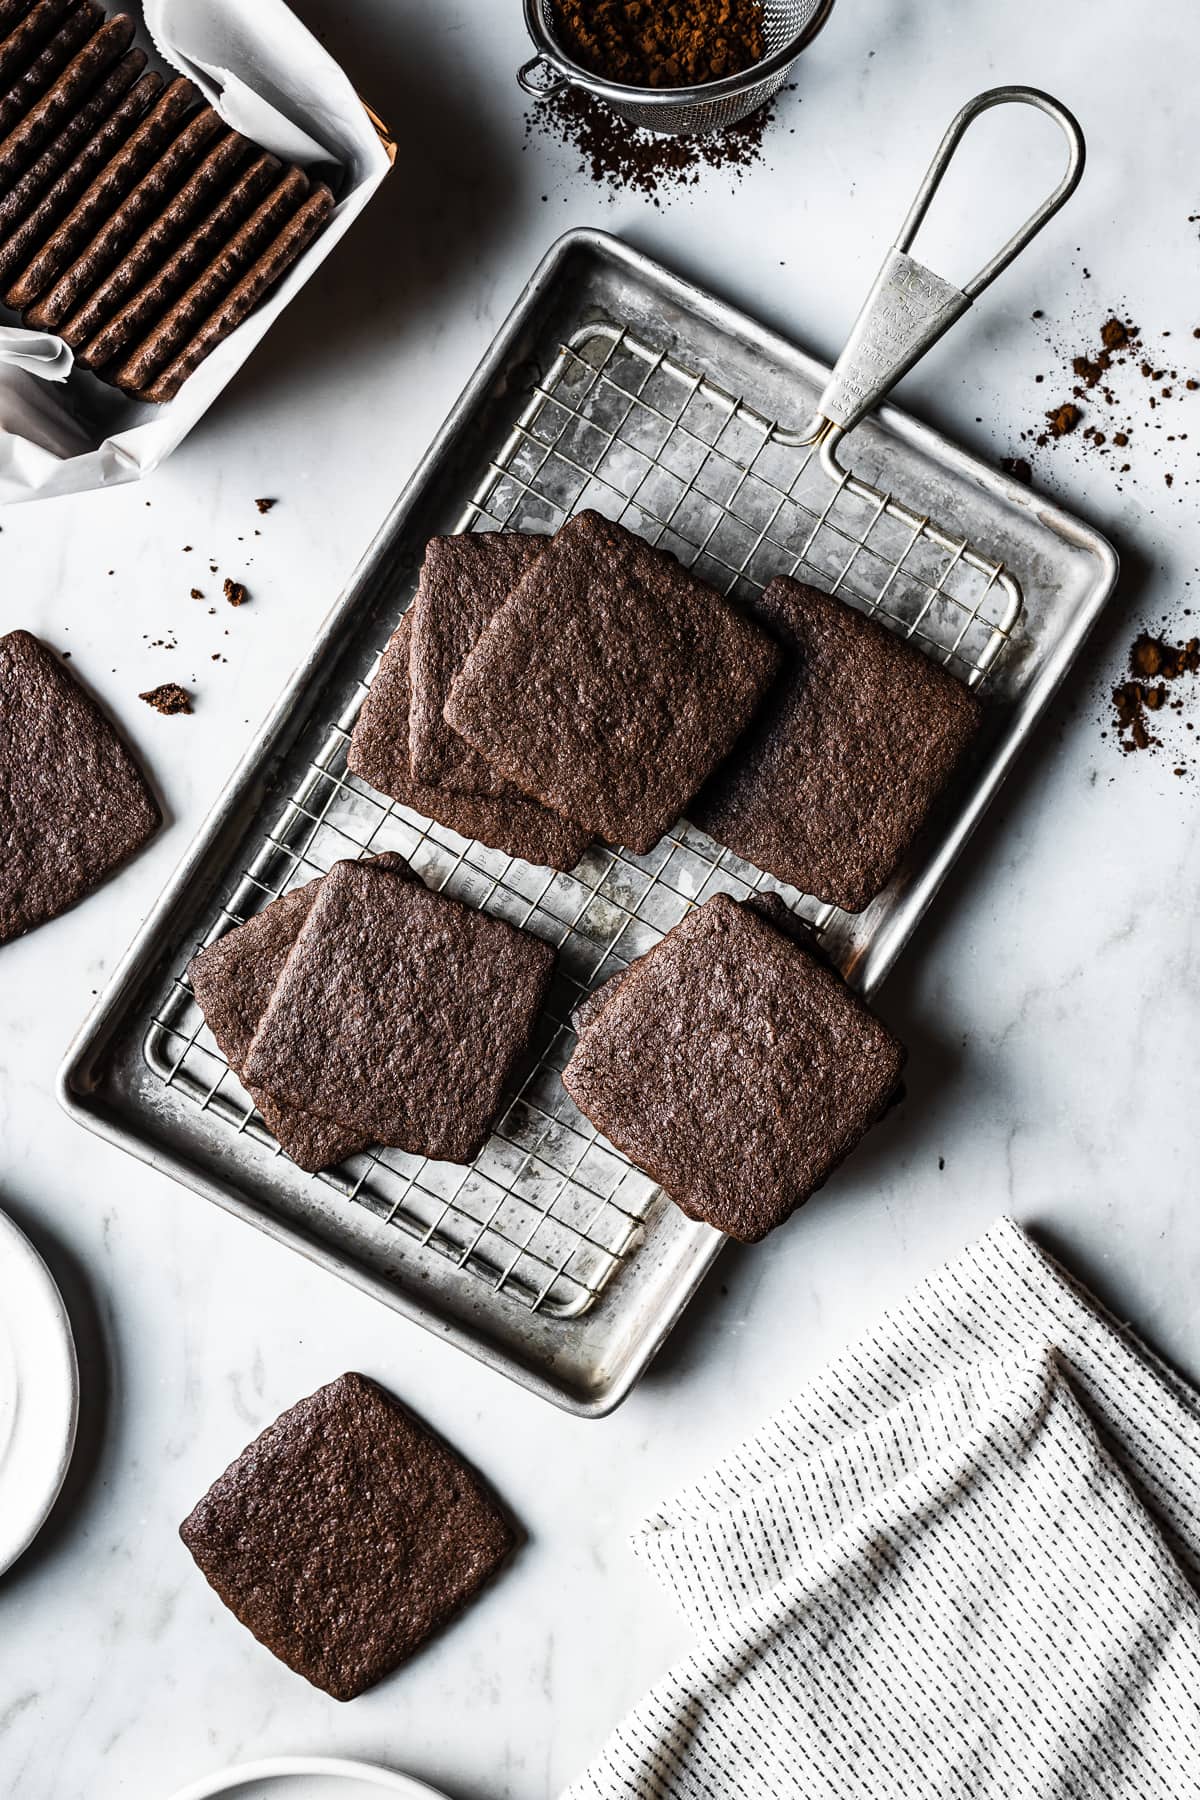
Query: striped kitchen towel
{"type": "Point", "coordinates": [959, 1564]}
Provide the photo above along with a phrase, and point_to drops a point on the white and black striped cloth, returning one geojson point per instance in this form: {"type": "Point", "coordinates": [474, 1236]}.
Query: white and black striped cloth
{"type": "Point", "coordinates": [957, 1565]}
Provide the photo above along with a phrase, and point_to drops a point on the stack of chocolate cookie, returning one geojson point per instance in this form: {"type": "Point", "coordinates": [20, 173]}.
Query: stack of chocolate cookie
{"type": "Point", "coordinates": [542, 691]}
{"type": "Point", "coordinates": [545, 691]}
{"type": "Point", "coordinates": [365, 1008]}
{"type": "Point", "coordinates": [132, 222]}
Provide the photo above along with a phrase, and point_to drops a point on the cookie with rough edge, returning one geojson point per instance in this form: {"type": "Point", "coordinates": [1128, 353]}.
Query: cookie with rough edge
{"type": "Point", "coordinates": [464, 580]}
{"type": "Point", "coordinates": [150, 250]}
{"type": "Point", "coordinates": [402, 1012]}
{"type": "Point", "coordinates": [170, 333]}
{"type": "Point", "coordinates": [143, 202]}
{"type": "Point", "coordinates": [611, 683]}
{"type": "Point", "coordinates": [347, 1534]}
{"type": "Point", "coordinates": [48, 186]}
{"type": "Point", "coordinates": [160, 288]}
{"type": "Point", "coordinates": [862, 734]}
{"type": "Point", "coordinates": [735, 1067]}
{"type": "Point", "coordinates": [74, 804]}
{"type": "Point", "coordinates": [144, 144]}
{"type": "Point", "coordinates": [64, 99]}
{"type": "Point", "coordinates": [768, 906]}
{"type": "Point", "coordinates": [267, 270]}
{"type": "Point", "coordinates": [233, 980]}
{"type": "Point", "coordinates": [26, 38]}
{"type": "Point", "coordinates": [379, 754]}
{"type": "Point", "coordinates": [30, 87]}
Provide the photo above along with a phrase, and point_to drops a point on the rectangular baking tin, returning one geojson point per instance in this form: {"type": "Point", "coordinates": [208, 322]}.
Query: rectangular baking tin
{"type": "Point", "coordinates": [586, 1363]}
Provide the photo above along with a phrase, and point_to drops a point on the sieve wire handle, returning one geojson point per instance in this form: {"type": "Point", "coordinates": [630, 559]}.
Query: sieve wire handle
{"type": "Point", "coordinates": [910, 307]}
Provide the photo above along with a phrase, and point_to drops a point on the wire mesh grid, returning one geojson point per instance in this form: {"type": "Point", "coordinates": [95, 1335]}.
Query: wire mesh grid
{"type": "Point", "coordinates": [549, 1211]}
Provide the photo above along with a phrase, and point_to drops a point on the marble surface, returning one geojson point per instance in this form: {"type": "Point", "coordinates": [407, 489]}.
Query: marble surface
{"type": "Point", "coordinates": [1049, 1000]}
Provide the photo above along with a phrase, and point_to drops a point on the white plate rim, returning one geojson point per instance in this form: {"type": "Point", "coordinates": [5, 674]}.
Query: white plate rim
{"type": "Point", "coordinates": [36, 1272]}
{"type": "Point", "coordinates": [272, 1768]}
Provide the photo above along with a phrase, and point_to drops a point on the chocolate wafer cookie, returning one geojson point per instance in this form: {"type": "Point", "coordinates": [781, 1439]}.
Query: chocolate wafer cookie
{"type": "Point", "coordinates": [24, 41]}
{"type": "Point", "coordinates": [146, 255]}
{"type": "Point", "coordinates": [109, 188]}
{"type": "Point", "coordinates": [59, 159]}
{"type": "Point", "coordinates": [270, 268]}
{"type": "Point", "coordinates": [62, 99]}
{"type": "Point", "coordinates": [24, 241]}
{"type": "Point", "coordinates": [146, 307]}
{"type": "Point", "coordinates": [99, 256]}
{"type": "Point", "coordinates": [75, 30]}
{"type": "Point", "coordinates": [11, 13]}
{"type": "Point", "coordinates": [168, 337]}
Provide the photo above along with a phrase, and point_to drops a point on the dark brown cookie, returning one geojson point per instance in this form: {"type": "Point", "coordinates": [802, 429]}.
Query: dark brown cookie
{"type": "Point", "coordinates": [123, 170]}
{"type": "Point", "coordinates": [463, 581]}
{"type": "Point", "coordinates": [64, 98]}
{"type": "Point", "coordinates": [735, 1068]}
{"type": "Point", "coordinates": [45, 68]}
{"type": "Point", "coordinates": [768, 906]}
{"type": "Point", "coordinates": [143, 202]}
{"type": "Point", "coordinates": [65, 166]}
{"type": "Point", "coordinates": [73, 803]}
{"type": "Point", "coordinates": [401, 1011]}
{"type": "Point", "coordinates": [611, 682]}
{"type": "Point", "coordinates": [233, 980]}
{"type": "Point", "coordinates": [379, 753]}
{"type": "Point", "coordinates": [833, 782]}
{"type": "Point", "coordinates": [346, 1535]}
{"type": "Point", "coordinates": [168, 335]}
{"type": "Point", "coordinates": [11, 13]}
{"type": "Point", "coordinates": [146, 256]}
{"type": "Point", "coordinates": [147, 305]}
{"type": "Point", "coordinates": [269, 268]}
{"type": "Point", "coordinates": [25, 39]}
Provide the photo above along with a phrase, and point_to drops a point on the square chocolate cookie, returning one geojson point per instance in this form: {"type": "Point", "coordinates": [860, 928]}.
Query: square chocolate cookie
{"type": "Point", "coordinates": [345, 1535]}
{"type": "Point", "coordinates": [837, 775]}
{"type": "Point", "coordinates": [611, 682]}
{"type": "Point", "coordinates": [464, 580]}
{"type": "Point", "coordinates": [233, 980]}
{"type": "Point", "coordinates": [379, 753]}
{"type": "Point", "coordinates": [734, 1067]}
{"type": "Point", "coordinates": [401, 1012]}
{"type": "Point", "coordinates": [73, 803]}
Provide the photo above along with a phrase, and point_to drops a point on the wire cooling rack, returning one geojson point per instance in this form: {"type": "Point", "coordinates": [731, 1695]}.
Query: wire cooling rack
{"type": "Point", "coordinates": [549, 1211]}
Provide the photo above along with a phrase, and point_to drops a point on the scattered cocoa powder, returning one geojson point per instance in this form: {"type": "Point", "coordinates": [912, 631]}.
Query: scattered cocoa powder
{"type": "Point", "coordinates": [626, 159]}
{"type": "Point", "coordinates": [1063, 419]}
{"type": "Point", "coordinates": [1102, 376]}
{"type": "Point", "coordinates": [168, 698]}
{"type": "Point", "coordinates": [1153, 662]}
{"type": "Point", "coordinates": [672, 43]}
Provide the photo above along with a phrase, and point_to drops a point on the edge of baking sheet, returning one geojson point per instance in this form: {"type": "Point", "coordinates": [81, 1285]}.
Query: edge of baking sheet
{"type": "Point", "coordinates": [79, 1076]}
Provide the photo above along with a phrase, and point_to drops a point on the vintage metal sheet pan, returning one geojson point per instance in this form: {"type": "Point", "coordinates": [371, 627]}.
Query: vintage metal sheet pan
{"type": "Point", "coordinates": [614, 384]}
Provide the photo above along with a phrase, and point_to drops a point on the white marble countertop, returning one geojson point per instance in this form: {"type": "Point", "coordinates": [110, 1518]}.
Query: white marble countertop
{"type": "Point", "coordinates": [1049, 1000]}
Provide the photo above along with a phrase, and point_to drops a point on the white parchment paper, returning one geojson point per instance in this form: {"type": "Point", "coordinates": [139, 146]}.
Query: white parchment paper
{"type": "Point", "coordinates": [268, 78]}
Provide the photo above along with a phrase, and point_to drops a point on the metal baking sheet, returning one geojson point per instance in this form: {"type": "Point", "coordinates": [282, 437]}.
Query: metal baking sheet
{"type": "Point", "coordinates": [613, 384]}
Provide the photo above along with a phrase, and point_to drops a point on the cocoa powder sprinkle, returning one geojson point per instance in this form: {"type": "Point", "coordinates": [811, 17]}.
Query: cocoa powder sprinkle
{"type": "Point", "coordinates": [168, 698]}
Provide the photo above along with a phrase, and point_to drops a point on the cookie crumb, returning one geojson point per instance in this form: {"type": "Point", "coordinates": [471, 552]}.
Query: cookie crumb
{"type": "Point", "coordinates": [235, 592]}
{"type": "Point", "coordinates": [197, 593]}
{"type": "Point", "coordinates": [169, 698]}
{"type": "Point", "coordinates": [264, 506]}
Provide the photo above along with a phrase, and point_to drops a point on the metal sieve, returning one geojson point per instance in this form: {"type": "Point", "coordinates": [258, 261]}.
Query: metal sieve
{"type": "Point", "coordinates": [790, 26]}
